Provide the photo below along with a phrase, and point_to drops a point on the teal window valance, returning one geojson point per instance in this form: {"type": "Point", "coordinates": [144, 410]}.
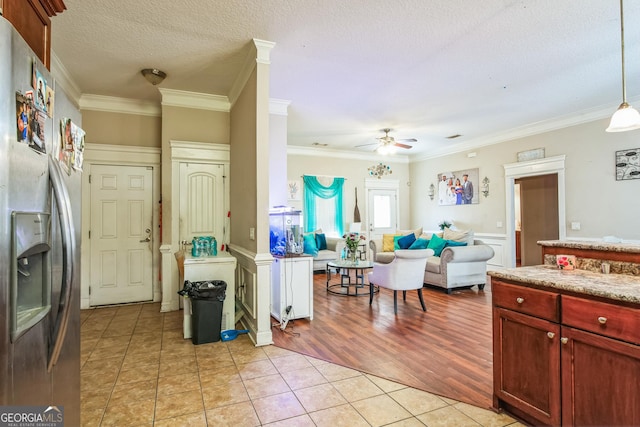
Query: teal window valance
{"type": "Point", "coordinates": [314, 190]}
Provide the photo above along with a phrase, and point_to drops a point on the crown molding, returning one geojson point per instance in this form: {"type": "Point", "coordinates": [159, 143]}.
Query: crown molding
{"type": "Point", "coordinates": [279, 106]}
{"type": "Point", "coordinates": [201, 101]}
{"type": "Point", "coordinates": [344, 154]}
{"type": "Point", "coordinates": [114, 104]}
{"type": "Point", "coordinates": [64, 80]}
{"type": "Point", "coordinates": [259, 52]}
{"type": "Point", "coordinates": [556, 123]}
{"type": "Point", "coordinates": [263, 48]}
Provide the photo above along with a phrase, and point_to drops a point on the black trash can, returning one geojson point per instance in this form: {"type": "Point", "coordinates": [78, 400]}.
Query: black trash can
{"type": "Point", "coordinates": [207, 299]}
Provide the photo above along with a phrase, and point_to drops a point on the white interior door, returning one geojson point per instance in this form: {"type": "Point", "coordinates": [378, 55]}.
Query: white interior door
{"type": "Point", "coordinates": [382, 212]}
{"type": "Point", "coordinates": [120, 234]}
{"type": "Point", "coordinates": [202, 210]}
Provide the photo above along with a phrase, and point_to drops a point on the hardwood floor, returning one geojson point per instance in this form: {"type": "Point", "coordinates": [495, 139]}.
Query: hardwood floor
{"type": "Point", "coordinates": [446, 350]}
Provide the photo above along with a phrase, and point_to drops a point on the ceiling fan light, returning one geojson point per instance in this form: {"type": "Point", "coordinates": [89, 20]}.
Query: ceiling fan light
{"type": "Point", "coordinates": [625, 118]}
{"type": "Point", "coordinates": [383, 149]}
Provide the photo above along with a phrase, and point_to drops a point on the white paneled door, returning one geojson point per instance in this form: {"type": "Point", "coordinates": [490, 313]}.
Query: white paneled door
{"type": "Point", "coordinates": [202, 211]}
{"type": "Point", "coordinates": [121, 225]}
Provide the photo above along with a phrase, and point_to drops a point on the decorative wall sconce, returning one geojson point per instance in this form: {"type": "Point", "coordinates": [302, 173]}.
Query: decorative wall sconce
{"type": "Point", "coordinates": [432, 191]}
{"type": "Point", "coordinates": [485, 186]}
{"type": "Point", "coordinates": [379, 170]}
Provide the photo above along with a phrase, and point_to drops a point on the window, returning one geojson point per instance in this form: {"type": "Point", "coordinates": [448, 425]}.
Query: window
{"type": "Point", "coordinates": [323, 205]}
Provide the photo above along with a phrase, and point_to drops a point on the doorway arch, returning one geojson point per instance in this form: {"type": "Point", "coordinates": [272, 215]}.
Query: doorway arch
{"type": "Point", "coordinates": [513, 171]}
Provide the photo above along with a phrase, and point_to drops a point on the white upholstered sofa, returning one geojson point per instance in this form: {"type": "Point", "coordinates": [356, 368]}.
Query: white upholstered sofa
{"type": "Point", "coordinates": [331, 253]}
{"type": "Point", "coordinates": [456, 267]}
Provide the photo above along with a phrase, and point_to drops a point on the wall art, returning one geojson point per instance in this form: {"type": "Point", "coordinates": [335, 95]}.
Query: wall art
{"type": "Point", "coordinates": [628, 164]}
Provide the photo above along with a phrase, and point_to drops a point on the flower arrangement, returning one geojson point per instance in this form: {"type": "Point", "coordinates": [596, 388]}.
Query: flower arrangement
{"type": "Point", "coordinates": [445, 224]}
{"type": "Point", "coordinates": [352, 241]}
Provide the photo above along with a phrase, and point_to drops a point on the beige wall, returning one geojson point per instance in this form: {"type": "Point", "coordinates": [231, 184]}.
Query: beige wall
{"type": "Point", "coordinates": [355, 172]}
{"type": "Point", "coordinates": [190, 124]}
{"type": "Point", "coordinates": [277, 160]}
{"type": "Point", "coordinates": [243, 166]}
{"type": "Point", "coordinates": [594, 198]}
{"type": "Point", "coordinates": [186, 124]}
{"type": "Point", "coordinates": [121, 129]}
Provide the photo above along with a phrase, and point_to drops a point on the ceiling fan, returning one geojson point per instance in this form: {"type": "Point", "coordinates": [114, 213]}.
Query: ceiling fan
{"type": "Point", "coordinates": [388, 143]}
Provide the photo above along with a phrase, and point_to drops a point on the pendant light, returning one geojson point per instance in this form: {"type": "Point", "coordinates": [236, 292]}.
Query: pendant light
{"type": "Point", "coordinates": [626, 117]}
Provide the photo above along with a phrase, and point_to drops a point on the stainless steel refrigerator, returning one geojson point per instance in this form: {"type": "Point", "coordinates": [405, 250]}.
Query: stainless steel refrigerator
{"type": "Point", "coordinates": [39, 244]}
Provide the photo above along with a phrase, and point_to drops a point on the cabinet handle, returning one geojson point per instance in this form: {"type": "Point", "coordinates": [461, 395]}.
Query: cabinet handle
{"type": "Point", "coordinates": [551, 335]}
{"type": "Point", "coordinates": [519, 300]}
{"type": "Point", "coordinates": [564, 340]}
{"type": "Point", "coordinates": [602, 320]}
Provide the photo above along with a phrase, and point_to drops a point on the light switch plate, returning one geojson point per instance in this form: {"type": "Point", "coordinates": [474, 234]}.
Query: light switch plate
{"type": "Point", "coordinates": [575, 226]}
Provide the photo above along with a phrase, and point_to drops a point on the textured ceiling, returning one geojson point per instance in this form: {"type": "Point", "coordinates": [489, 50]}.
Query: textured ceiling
{"type": "Point", "coordinates": [427, 69]}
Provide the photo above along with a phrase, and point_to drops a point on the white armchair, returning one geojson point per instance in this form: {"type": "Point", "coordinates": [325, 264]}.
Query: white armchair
{"type": "Point", "coordinates": [404, 273]}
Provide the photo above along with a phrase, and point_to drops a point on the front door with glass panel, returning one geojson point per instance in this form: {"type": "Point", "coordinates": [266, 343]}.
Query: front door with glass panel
{"type": "Point", "coordinates": [382, 212]}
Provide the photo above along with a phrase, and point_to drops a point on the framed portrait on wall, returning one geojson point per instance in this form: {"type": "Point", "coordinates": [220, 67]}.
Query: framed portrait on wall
{"type": "Point", "coordinates": [458, 187]}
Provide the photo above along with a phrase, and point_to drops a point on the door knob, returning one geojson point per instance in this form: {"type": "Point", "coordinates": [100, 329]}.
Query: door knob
{"type": "Point", "coordinates": [148, 239]}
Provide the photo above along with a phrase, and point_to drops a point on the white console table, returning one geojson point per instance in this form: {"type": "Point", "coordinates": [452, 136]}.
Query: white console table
{"type": "Point", "coordinates": [220, 267]}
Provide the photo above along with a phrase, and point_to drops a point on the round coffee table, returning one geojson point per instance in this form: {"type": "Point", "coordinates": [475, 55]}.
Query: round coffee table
{"type": "Point", "coordinates": [344, 268]}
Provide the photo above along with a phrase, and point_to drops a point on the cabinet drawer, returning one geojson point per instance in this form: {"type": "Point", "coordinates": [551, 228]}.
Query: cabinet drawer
{"type": "Point", "coordinates": [535, 302]}
{"type": "Point", "coordinates": [602, 318]}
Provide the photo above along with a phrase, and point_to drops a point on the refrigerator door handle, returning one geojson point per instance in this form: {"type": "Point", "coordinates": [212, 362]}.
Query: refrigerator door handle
{"type": "Point", "coordinates": [68, 256]}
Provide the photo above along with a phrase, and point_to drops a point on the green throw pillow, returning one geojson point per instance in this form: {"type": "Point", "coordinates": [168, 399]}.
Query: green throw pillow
{"type": "Point", "coordinates": [437, 244]}
{"type": "Point", "coordinates": [419, 244]}
{"type": "Point", "coordinates": [321, 241]}
{"type": "Point", "coordinates": [396, 245]}
{"type": "Point", "coordinates": [406, 241]}
{"type": "Point", "coordinates": [310, 247]}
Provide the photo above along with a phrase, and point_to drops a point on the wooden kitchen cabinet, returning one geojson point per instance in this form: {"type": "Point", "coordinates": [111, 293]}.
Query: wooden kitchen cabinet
{"type": "Point", "coordinates": [526, 350]}
{"type": "Point", "coordinates": [578, 366]}
{"type": "Point", "coordinates": [31, 18]}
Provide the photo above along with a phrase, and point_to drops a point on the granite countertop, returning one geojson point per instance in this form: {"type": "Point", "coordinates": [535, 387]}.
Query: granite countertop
{"type": "Point", "coordinates": [595, 245]}
{"type": "Point", "coordinates": [620, 287]}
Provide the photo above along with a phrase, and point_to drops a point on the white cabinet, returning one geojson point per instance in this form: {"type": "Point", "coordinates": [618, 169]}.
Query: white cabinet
{"type": "Point", "coordinates": [220, 267]}
{"type": "Point", "coordinates": [292, 285]}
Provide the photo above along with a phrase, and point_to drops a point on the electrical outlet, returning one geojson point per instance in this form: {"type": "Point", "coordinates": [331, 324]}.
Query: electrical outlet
{"type": "Point", "coordinates": [252, 233]}
{"type": "Point", "coordinates": [288, 309]}
{"type": "Point", "coordinates": [575, 226]}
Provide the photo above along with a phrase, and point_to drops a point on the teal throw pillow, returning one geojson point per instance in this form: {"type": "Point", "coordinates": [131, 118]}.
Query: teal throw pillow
{"type": "Point", "coordinates": [396, 245]}
{"type": "Point", "coordinates": [321, 241]}
{"type": "Point", "coordinates": [406, 241]}
{"type": "Point", "coordinates": [310, 247]}
{"type": "Point", "coordinates": [455, 243]}
{"type": "Point", "coordinates": [437, 244]}
{"type": "Point", "coordinates": [419, 244]}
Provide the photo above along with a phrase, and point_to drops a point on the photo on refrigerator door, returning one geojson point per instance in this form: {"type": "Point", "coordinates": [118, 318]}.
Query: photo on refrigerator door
{"type": "Point", "coordinates": [22, 116]}
{"type": "Point", "coordinates": [30, 122]}
{"type": "Point", "coordinates": [71, 146]}
{"type": "Point", "coordinates": [40, 88]}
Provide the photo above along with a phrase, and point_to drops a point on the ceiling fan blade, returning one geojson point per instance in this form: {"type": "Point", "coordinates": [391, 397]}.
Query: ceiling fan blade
{"type": "Point", "coordinates": [402, 145]}
{"type": "Point", "coordinates": [407, 140]}
{"type": "Point", "coordinates": [365, 145]}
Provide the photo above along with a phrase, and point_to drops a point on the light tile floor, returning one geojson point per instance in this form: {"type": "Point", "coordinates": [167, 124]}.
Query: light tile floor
{"type": "Point", "coordinates": [137, 370]}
